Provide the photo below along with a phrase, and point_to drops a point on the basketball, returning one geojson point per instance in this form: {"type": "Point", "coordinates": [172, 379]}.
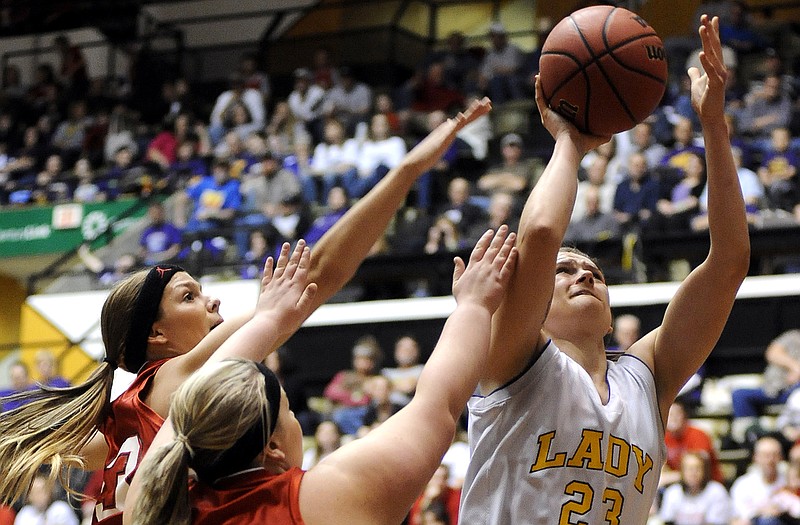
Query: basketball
{"type": "Point", "coordinates": [604, 69]}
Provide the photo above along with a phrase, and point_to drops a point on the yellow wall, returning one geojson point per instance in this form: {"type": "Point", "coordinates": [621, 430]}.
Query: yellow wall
{"type": "Point", "coordinates": [37, 333]}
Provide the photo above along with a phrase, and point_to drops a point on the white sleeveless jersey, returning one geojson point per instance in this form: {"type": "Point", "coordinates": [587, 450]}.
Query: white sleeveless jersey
{"type": "Point", "coordinates": [546, 451]}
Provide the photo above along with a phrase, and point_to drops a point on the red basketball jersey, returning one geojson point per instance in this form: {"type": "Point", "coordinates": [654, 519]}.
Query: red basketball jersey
{"type": "Point", "coordinates": [129, 430]}
{"type": "Point", "coordinates": [252, 496]}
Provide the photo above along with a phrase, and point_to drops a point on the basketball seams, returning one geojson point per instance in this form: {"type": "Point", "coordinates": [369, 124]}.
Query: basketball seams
{"type": "Point", "coordinates": [566, 80]}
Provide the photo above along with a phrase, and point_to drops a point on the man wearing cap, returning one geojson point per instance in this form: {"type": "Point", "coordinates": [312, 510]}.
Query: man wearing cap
{"type": "Point", "coordinates": [514, 175]}
{"type": "Point", "coordinates": [500, 75]}
{"type": "Point", "coordinates": [305, 103]}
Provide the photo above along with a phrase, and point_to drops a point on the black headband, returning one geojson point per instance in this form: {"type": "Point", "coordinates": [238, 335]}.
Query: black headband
{"type": "Point", "coordinates": [145, 311]}
{"type": "Point", "coordinates": [242, 453]}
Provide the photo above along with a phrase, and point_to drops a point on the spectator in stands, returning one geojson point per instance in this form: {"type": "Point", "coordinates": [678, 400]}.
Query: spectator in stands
{"type": "Point", "coordinates": [86, 190]}
{"type": "Point", "coordinates": [323, 72]}
{"type": "Point", "coordinates": [160, 241]}
{"type": "Point", "coordinates": [430, 188]}
{"type": "Point", "coordinates": [70, 134]}
{"type": "Point", "coordinates": [425, 92]}
{"type": "Point", "coordinates": [766, 107]}
{"type": "Point", "coordinates": [502, 209]}
{"type": "Point", "coordinates": [29, 158]}
{"type": "Point", "coordinates": [738, 31]}
{"type": "Point", "coordinates": [284, 366]}
{"type": "Point", "coordinates": [255, 78]}
{"type": "Point", "coordinates": [443, 236]}
{"type": "Point", "coordinates": [72, 72]}
{"type": "Point", "coordinates": [641, 139]}
{"type": "Point", "coordinates": [437, 492]}
{"type": "Point", "coordinates": [122, 130]}
{"type": "Point", "coordinates": [627, 330]}
{"type": "Point", "coordinates": [778, 172]}
{"type": "Point", "coordinates": [636, 196]}
{"type": "Point", "coordinates": [376, 155]}
{"type": "Point", "coordinates": [696, 497]}
{"type": "Point", "coordinates": [293, 218]}
{"type": "Point", "coordinates": [781, 378]}
{"type": "Point", "coordinates": [20, 382]}
{"type": "Point", "coordinates": [683, 145]}
{"type": "Point", "coordinates": [107, 274]}
{"type": "Point", "coordinates": [460, 64]}
{"type": "Point", "coordinates": [459, 209]}
{"type": "Point", "coordinates": [675, 211]}
{"type": "Point", "coordinates": [42, 95]}
{"type": "Point", "coordinates": [617, 161]}
{"type": "Point", "coordinates": [263, 188]}
{"type": "Point", "coordinates": [11, 89]}
{"type": "Point", "coordinates": [596, 177]}
{"type": "Point", "coordinates": [238, 106]}
{"type": "Point", "coordinates": [188, 163]}
{"type": "Point", "coordinates": [47, 368]}
{"type": "Point", "coordinates": [215, 199]}
{"type": "Point", "coordinates": [327, 439]}
{"type": "Point", "coordinates": [348, 101]}
{"type": "Point", "coordinates": [338, 203]}
{"type": "Point", "coordinates": [42, 507]}
{"type": "Point", "coordinates": [125, 175]}
{"type": "Point", "coordinates": [347, 389]}
{"type": "Point", "coordinates": [333, 160]}
{"type": "Point", "coordinates": [596, 225]}
{"type": "Point", "coordinates": [515, 174]}
{"type": "Point", "coordinates": [500, 71]}
{"type": "Point", "coordinates": [234, 149]}
{"type": "Point", "coordinates": [280, 130]}
{"type": "Point", "coordinates": [405, 374]}
{"type": "Point", "coordinates": [305, 102]}
{"type": "Point", "coordinates": [477, 135]}
{"type": "Point", "coordinates": [162, 150]}
{"type": "Point", "coordinates": [786, 502]}
{"type": "Point", "coordinates": [682, 437]}
{"type": "Point", "coordinates": [258, 249]}
{"type": "Point", "coordinates": [752, 192]}
{"type": "Point", "coordinates": [384, 105]}
{"type": "Point", "coordinates": [380, 407]}
{"type": "Point", "coordinates": [751, 492]}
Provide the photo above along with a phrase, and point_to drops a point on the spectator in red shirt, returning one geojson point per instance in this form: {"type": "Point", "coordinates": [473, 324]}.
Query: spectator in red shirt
{"type": "Point", "coordinates": [681, 437]}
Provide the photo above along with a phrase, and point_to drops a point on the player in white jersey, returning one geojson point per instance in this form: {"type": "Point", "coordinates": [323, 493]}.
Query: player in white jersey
{"type": "Point", "coordinates": [560, 435]}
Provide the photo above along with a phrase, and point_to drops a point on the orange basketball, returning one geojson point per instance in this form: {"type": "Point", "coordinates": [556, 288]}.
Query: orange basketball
{"type": "Point", "coordinates": [604, 69]}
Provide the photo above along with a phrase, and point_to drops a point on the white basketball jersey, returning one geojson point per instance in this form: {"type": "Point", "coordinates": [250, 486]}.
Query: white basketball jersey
{"type": "Point", "coordinates": [546, 451]}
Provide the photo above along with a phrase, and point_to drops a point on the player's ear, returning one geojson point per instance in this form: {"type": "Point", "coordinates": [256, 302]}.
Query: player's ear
{"type": "Point", "coordinates": [156, 337]}
{"type": "Point", "coordinates": [273, 453]}
{"type": "Point", "coordinates": [610, 329]}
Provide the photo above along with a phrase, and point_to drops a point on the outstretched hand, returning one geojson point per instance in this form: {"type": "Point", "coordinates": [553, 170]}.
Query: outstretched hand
{"type": "Point", "coordinates": [428, 152]}
{"type": "Point", "coordinates": [558, 126]}
{"type": "Point", "coordinates": [490, 267]}
{"type": "Point", "coordinates": [708, 89]}
{"type": "Point", "coordinates": [286, 295]}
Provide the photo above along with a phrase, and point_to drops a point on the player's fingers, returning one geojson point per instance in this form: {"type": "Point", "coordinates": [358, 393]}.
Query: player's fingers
{"type": "Point", "coordinates": [283, 260]}
{"type": "Point", "coordinates": [458, 269]}
{"type": "Point", "coordinates": [505, 250]}
{"type": "Point", "coordinates": [481, 246]}
{"type": "Point", "coordinates": [294, 260]}
{"type": "Point", "coordinates": [540, 103]}
{"type": "Point", "coordinates": [267, 275]}
{"type": "Point", "coordinates": [497, 242]}
{"type": "Point", "coordinates": [306, 299]}
{"type": "Point", "coordinates": [508, 265]}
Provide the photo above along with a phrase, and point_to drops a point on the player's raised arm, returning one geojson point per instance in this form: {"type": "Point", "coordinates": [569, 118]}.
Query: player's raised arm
{"type": "Point", "coordinates": [543, 223]}
{"type": "Point", "coordinates": [697, 314]}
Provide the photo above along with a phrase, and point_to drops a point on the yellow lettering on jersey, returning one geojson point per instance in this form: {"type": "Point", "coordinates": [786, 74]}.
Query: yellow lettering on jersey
{"type": "Point", "coordinates": [542, 460]}
{"type": "Point", "coordinates": [617, 456]}
{"type": "Point", "coordinates": [588, 454]}
{"type": "Point", "coordinates": [645, 464]}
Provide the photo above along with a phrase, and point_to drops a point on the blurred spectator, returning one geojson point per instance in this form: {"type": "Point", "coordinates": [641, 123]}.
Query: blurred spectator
{"type": "Point", "coordinates": [47, 368]}
{"type": "Point", "coordinates": [124, 175]}
{"type": "Point", "coordinates": [459, 209]}
{"type": "Point", "coordinates": [427, 91]}
{"type": "Point", "coordinates": [42, 95]}
{"type": "Point", "coordinates": [11, 88]}
{"type": "Point", "coordinates": [595, 225]}
{"type": "Point", "coordinates": [477, 134]}
{"type": "Point", "coordinates": [29, 158]}
{"type": "Point", "coordinates": [597, 178]}
{"type": "Point", "coordinates": [616, 160]}
{"type": "Point", "coordinates": [751, 492]}
{"type": "Point", "coordinates": [42, 507]}
{"type": "Point", "coordinates": [323, 73]}
{"type": "Point", "coordinates": [738, 32]}
{"type": "Point", "coordinates": [502, 209]}
{"type": "Point", "coordinates": [305, 102]}
{"type": "Point", "coordinates": [72, 73]}
{"type": "Point", "coordinates": [681, 438]}
{"type": "Point", "coordinates": [348, 101]}
{"type": "Point", "coordinates": [781, 378]}
{"type": "Point", "coordinates": [696, 498]}
{"type": "Point", "coordinates": [460, 65]}
{"type": "Point", "coordinates": [237, 107]}
{"type": "Point", "coordinates": [86, 190]}
{"type": "Point", "coordinates": [188, 163]}
{"type": "Point", "coordinates": [676, 210]}
{"type": "Point", "coordinates": [263, 188]}
{"type": "Point", "coordinates": [160, 241]}
{"type": "Point", "coordinates": [778, 172]}
{"type": "Point", "coordinates": [384, 105]}
{"type": "Point", "coordinates": [49, 186]}
{"type": "Point", "coordinates": [435, 514]}
{"type": "Point", "coordinates": [636, 196]}
{"type": "Point", "coordinates": [281, 130]}
{"type": "Point", "coordinates": [333, 160]}
{"type": "Point", "coordinates": [71, 133]}
{"type": "Point", "coordinates": [327, 439]}
{"type": "Point", "coordinates": [627, 330]}
{"type": "Point", "coordinates": [766, 107]}
{"type": "Point", "coordinates": [163, 149]}
{"type": "Point", "coordinates": [347, 389]}
{"type": "Point", "coordinates": [254, 77]}
{"type": "Point", "coordinates": [337, 205]}
{"type": "Point", "coordinates": [377, 154]}
{"type": "Point", "coordinates": [443, 236]}
{"type": "Point", "coordinates": [107, 275]}
{"type": "Point", "coordinates": [405, 374]}
{"type": "Point", "coordinates": [381, 407]}
{"type": "Point", "coordinates": [500, 75]}
{"type": "Point", "coordinates": [20, 382]}
{"type": "Point", "coordinates": [121, 131]}
{"type": "Point", "coordinates": [683, 145]}
{"type": "Point", "coordinates": [515, 175]}
{"type": "Point", "coordinates": [640, 139]}
{"type": "Point", "coordinates": [258, 249]}
{"type": "Point", "coordinates": [284, 366]}
{"type": "Point", "coordinates": [437, 492]}
{"type": "Point", "coordinates": [430, 188]}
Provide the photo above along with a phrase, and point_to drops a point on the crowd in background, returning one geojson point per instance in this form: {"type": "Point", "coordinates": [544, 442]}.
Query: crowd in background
{"type": "Point", "coordinates": [253, 167]}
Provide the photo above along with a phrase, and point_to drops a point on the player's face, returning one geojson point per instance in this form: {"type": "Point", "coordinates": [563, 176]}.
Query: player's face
{"type": "Point", "coordinates": [580, 296]}
{"type": "Point", "coordinates": [187, 315]}
{"type": "Point", "coordinates": [288, 435]}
